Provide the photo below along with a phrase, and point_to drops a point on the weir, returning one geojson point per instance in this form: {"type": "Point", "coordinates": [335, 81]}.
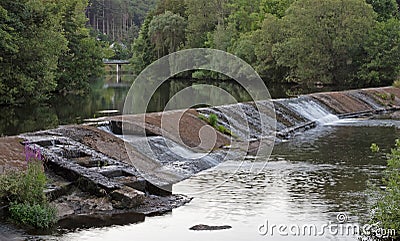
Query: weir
{"type": "Point", "coordinates": [308, 111]}
{"type": "Point", "coordinates": [103, 162]}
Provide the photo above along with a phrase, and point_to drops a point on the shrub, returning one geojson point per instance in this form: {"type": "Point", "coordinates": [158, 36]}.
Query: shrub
{"type": "Point", "coordinates": [387, 209]}
{"type": "Point", "coordinates": [37, 215]}
{"type": "Point", "coordinates": [24, 191]}
{"type": "Point", "coordinates": [24, 187]}
{"type": "Point", "coordinates": [396, 83]}
{"type": "Point", "coordinates": [213, 120]}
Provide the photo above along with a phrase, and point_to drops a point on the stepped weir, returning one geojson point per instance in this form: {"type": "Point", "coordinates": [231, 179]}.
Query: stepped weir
{"type": "Point", "coordinates": [136, 171]}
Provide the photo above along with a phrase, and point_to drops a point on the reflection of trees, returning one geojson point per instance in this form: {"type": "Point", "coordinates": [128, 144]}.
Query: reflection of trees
{"type": "Point", "coordinates": [73, 109]}
{"type": "Point", "coordinates": [335, 167]}
{"type": "Point", "coordinates": [27, 118]}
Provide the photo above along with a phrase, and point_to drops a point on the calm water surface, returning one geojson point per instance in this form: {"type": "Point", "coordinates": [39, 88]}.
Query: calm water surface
{"type": "Point", "coordinates": [308, 180]}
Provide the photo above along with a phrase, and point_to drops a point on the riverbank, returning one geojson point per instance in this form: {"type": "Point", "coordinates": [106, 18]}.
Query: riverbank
{"type": "Point", "coordinates": [91, 182]}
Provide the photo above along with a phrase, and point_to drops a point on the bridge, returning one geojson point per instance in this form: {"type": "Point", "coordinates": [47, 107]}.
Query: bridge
{"type": "Point", "coordinates": [117, 63]}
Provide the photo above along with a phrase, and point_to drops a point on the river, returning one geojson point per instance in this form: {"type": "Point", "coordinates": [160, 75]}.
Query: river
{"type": "Point", "coordinates": [309, 180]}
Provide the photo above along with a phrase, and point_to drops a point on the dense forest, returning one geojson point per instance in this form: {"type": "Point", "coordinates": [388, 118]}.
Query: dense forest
{"type": "Point", "coordinates": [57, 46]}
{"type": "Point", "coordinates": [118, 20]}
{"type": "Point", "coordinates": [45, 48]}
{"type": "Point", "coordinates": [340, 42]}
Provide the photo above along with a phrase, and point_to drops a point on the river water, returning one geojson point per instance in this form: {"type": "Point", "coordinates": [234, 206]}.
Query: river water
{"type": "Point", "coordinates": [308, 181]}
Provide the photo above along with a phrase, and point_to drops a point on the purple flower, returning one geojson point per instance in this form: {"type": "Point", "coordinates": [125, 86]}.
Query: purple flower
{"type": "Point", "coordinates": [32, 154]}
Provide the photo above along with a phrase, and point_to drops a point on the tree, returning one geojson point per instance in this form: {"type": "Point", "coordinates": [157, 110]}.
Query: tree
{"type": "Point", "coordinates": [382, 54]}
{"type": "Point", "coordinates": [386, 9]}
{"type": "Point", "coordinates": [28, 67]}
{"type": "Point", "coordinates": [167, 32]}
{"type": "Point", "coordinates": [174, 6]}
{"type": "Point", "coordinates": [202, 18]}
{"type": "Point", "coordinates": [83, 58]}
{"type": "Point", "coordinates": [115, 18]}
{"type": "Point", "coordinates": [244, 15]}
{"type": "Point", "coordinates": [222, 37]}
{"type": "Point", "coordinates": [7, 46]}
{"type": "Point", "coordinates": [324, 39]}
{"type": "Point", "coordinates": [143, 50]}
{"type": "Point", "coordinates": [265, 41]}
{"type": "Point", "coordinates": [275, 7]}
{"type": "Point", "coordinates": [386, 212]}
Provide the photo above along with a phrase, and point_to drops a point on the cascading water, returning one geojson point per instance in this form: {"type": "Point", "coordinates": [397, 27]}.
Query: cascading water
{"type": "Point", "coordinates": [250, 122]}
{"type": "Point", "coordinates": [290, 113]}
{"type": "Point", "coordinates": [172, 156]}
{"type": "Point", "coordinates": [311, 110]}
{"type": "Point", "coordinates": [244, 119]}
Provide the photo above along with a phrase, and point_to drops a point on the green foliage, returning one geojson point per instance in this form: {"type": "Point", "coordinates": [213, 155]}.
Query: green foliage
{"type": "Point", "coordinates": [267, 39]}
{"type": "Point", "coordinates": [383, 96]}
{"type": "Point", "coordinates": [167, 32]}
{"type": "Point", "coordinates": [118, 20]}
{"type": "Point", "coordinates": [120, 51]}
{"type": "Point", "coordinates": [45, 47]}
{"type": "Point", "coordinates": [221, 38]}
{"type": "Point", "coordinates": [244, 15]}
{"type": "Point", "coordinates": [354, 42]}
{"type": "Point", "coordinates": [396, 83]}
{"type": "Point", "coordinates": [143, 50]}
{"type": "Point", "coordinates": [36, 215]}
{"type": "Point", "coordinates": [83, 58]}
{"type": "Point", "coordinates": [174, 6]}
{"type": "Point", "coordinates": [324, 50]}
{"type": "Point", "coordinates": [374, 147]}
{"type": "Point", "coordinates": [275, 7]}
{"type": "Point", "coordinates": [24, 191]}
{"type": "Point", "coordinates": [382, 54]}
{"type": "Point", "coordinates": [203, 16]}
{"type": "Point", "coordinates": [224, 130]}
{"type": "Point", "coordinates": [386, 9]}
{"type": "Point", "coordinates": [25, 187]}
{"type": "Point", "coordinates": [213, 120]}
{"type": "Point", "coordinates": [387, 209]}
{"type": "Point", "coordinates": [28, 70]}
{"type": "Point", "coordinates": [203, 117]}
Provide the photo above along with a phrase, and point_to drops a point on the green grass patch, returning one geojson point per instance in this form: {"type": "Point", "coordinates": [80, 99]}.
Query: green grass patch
{"type": "Point", "coordinates": [212, 120]}
{"type": "Point", "coordinates": [24, 193]}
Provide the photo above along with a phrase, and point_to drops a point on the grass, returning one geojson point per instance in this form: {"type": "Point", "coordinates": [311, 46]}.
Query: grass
{"type": "Point", "coordinates": [396, 83]}
{"type": "Point", "coordinates": [212, 120]}
{"type": "Point", "coordinates": [24, 193]}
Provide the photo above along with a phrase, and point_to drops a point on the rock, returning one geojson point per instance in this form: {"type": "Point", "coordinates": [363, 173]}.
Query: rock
{"type": "Point", "coordinates": [64, 210]}
{"type": "Point", "coordinates": [127, 197]}
{"type": "Point", "coordinates": [202, 227]}
{"type": "Point", "coordinates": [12, 155]}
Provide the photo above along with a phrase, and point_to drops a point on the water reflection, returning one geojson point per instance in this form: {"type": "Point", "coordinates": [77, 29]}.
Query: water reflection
{"type": "Point", "coordinates": [108, 93]}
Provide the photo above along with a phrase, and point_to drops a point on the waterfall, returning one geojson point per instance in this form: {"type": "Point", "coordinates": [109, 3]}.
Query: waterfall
{"type": "Point", "coordinates": [244, 119]}
{"type": "Point", "coordinates": [254, 121]}
{"type": "Point", "coordinates": [311, 110]}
